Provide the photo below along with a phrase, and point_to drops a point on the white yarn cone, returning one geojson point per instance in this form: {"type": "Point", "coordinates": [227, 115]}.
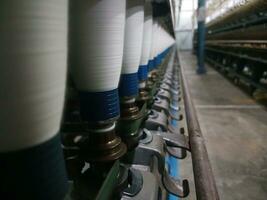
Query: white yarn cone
{"type": "Point", "coordinates": [33, 71]}
{"type": "Point", "coordinates": [132, 47]}
{"type": "Point", "coordinates": [97, 45]}
{"type": "Point", "coordinates": [133, 36]}
{"type": "Point", "coordinates": [147, 36]}
{"type": "Point", "coordinates": [33, 60]}
{"type": "Point", "coordinates": [96, 50]}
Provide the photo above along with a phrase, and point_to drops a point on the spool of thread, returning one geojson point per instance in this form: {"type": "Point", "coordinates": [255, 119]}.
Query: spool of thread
{"type": "Point", "coordinates": [132, 47]}
{"type": "Point", "coordinates": [146, 46]}
{"type": "Point", "coordinates": [153, 45]}
{"type": "Point", "coordinates": [156, 43]}
{"type": "Point", "coordinates": [163, 38]}
{"type": "Point", "coordinates": [33, 59]}
{"type": "Point", "coordinates": [162, 41]}
{"type": "Point", "coordinates": [96, 50]}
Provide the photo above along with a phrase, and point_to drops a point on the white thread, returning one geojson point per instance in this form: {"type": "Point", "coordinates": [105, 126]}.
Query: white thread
{"type": "Point", "coordinates": [97, 34]}
{"type": "Point", "coordinates": [147, 36]}
{"type": "Point", "coordinates": [161, 40]}
{"type": "Point", "coordinates": [133, 36]}
{"type": "Point", "coordinates": [154, 40]}
{"type": "Point", "coordinates": [33, 55]}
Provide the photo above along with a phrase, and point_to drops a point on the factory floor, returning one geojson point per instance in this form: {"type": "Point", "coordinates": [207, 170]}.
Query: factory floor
{"type": "Point", "coordinates": [235, 129]}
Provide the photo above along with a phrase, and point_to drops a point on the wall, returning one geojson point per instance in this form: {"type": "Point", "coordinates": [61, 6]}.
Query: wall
{"type": "Point", "coordinates": [185, 23]}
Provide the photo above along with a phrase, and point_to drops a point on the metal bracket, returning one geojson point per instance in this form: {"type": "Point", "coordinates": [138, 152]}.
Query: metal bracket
{"type": "Point", "coordinates": [176, 144]}
{"type": "Point", "coordinates": [167, 81]}
{"type": "Point", "coordinates": [176, 152]}
{"type": "Point", "coordinates": [165, 86]}
{"type": "Point", "coordinates": [175, 91]}
{"type": "Point", "coordinates": [174, 140]}
{"type": "Point", "coordinates": [149, 190]}
{"type": "Point", "coordinates": [168, 74]}
{"type": "Point", "coordinates": [155, 146]}
{"type": "Point", "coordinates": [136, 183]}
{"type": "Point", "coordinates": [174, 129]}
{"type": "Point", "coordinates": [175, 115]}
{"type": "Point", "coordinates": [172, 82]}
{"type": "Point", "coordinates": [176, 97]}
{"type": "Point", "coordinates": [164, 94]}
{"type": "Point", "coordinates": [176, 187]}
{"type": "Point", "coordinates": [161, 104]}
{"type": "Point", "coordinates": [174, 105]}
{"type": "Point", "coordinates": [157, 120]}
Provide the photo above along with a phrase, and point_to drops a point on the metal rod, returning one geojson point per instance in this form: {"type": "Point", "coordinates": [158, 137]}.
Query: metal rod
{"type": "Point", "coordinates": [204, 179]}
{"type": "Point", "coordinates": [201, 36]}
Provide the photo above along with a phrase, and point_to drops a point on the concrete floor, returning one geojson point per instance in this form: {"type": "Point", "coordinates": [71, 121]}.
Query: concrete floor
{"type": "Point", "coordinates": [235, 131]}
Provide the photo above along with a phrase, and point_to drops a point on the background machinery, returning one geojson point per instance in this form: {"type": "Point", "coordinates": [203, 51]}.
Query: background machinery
{"type": "Point", "coordinates": [236, 43]}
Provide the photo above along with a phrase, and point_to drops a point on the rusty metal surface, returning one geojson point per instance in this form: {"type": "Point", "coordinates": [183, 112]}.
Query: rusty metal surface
{"type": "Point", "coordinates": [206, 188]}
